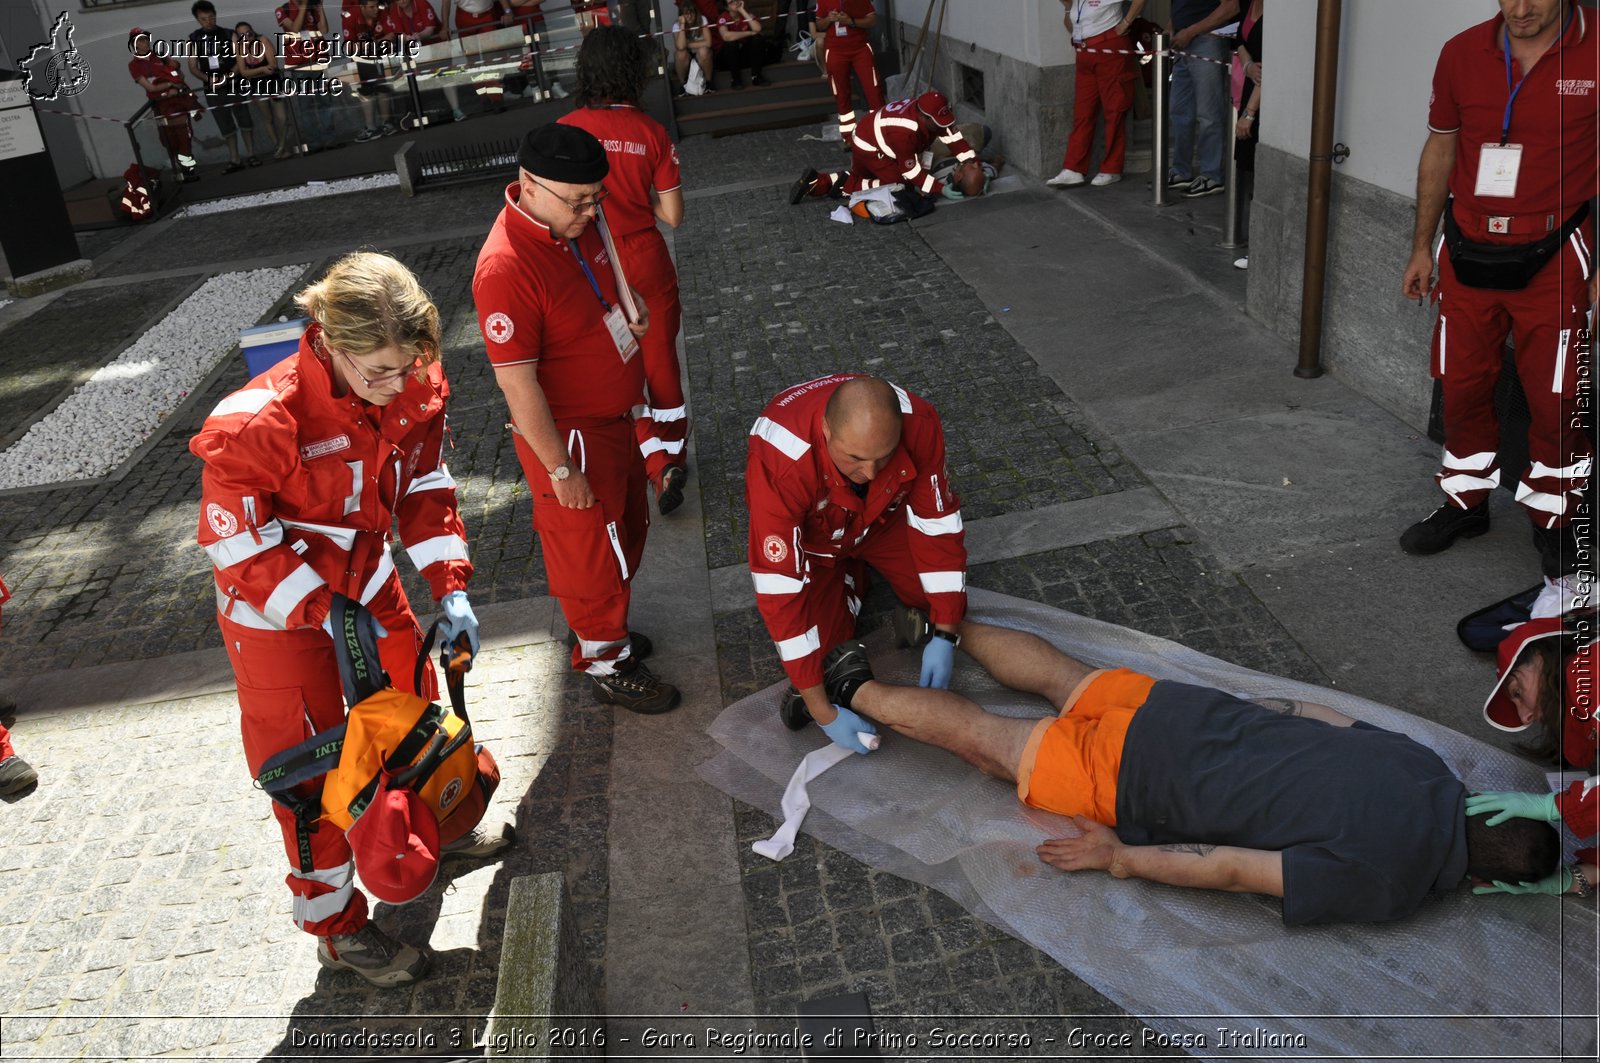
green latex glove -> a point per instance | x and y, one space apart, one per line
1541 807
952 192
1553 885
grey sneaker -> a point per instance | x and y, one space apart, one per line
1203 186
481 842
374 955
16 775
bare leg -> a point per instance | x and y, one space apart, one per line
993 744
1023 662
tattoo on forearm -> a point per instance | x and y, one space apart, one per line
1283 705
1197 848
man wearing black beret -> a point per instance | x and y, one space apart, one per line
564 345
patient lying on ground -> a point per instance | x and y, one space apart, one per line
1191 786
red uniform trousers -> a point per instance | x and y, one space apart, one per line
836 592
868 169
289 689
661 435
174 126
6 752
840 63
1103 83
590 555
1553 360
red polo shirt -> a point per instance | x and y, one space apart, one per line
842 36
421 19
642 157
1554 118
536 306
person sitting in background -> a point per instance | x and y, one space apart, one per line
261 82
591 13
171 100
305 28
1190 786
692 35
472 18
741 44
368 40
409 21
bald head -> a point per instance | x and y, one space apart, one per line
862 426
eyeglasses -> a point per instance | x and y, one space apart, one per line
579 206
383 378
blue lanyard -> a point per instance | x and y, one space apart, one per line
1505 123
573 246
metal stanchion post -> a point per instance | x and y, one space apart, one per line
1230 230
1158 118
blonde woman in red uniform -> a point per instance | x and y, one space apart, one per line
643 187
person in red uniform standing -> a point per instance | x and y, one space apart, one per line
1510 164
1103 80
843 27
565 354
888 148
1547 677
306 470
844 472
644 187
170 98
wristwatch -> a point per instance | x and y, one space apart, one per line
952 639
562 471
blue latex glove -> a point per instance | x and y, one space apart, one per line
952 192
1552 885
846 730
938 662
1541 807
457 619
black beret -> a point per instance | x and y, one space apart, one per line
564 153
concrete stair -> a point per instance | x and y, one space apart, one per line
798 95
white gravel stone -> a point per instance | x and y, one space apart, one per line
312 190
117 408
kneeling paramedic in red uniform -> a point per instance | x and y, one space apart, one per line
845 472
887 149
306 470
565 352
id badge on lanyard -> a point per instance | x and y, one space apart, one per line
1499 164
616 321
841 30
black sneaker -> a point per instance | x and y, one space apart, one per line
374 955
792 710
802 188
844 669
635 688
16 775
911 627
1443 526
1174 181
1202 186
760 80
670 495
738 81
639 644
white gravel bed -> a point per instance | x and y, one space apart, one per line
311 190
117 408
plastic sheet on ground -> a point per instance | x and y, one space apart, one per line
1466 977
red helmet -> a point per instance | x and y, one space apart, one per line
933 104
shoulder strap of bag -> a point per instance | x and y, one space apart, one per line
355 646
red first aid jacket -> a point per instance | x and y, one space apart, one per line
895 132
302 488
803 513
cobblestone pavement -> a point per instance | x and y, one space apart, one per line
712 161
767 305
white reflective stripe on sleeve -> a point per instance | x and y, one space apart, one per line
294 589
1589 784
773 583
1539 500
652 446
248 401
1578 470
345 537
1470 463
379 577
243 546
358 472
243 614
437 480
967 156
1562 342
949 524
950 137
1583 253
927 184
326 905
791 445
900 393
797 647
943 582
439 548
616 548
675 413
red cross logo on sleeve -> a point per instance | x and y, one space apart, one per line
498 327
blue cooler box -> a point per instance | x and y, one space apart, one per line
264 346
